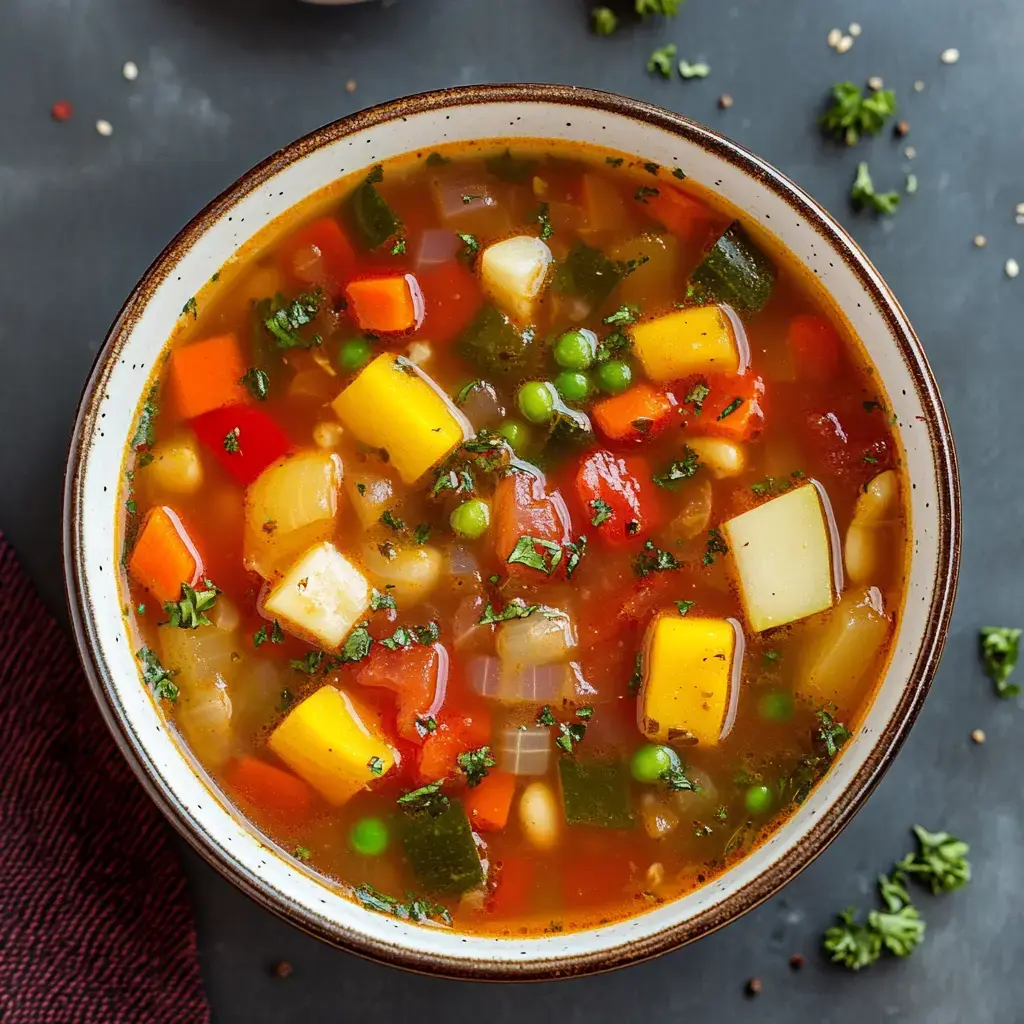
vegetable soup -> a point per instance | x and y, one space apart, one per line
515 536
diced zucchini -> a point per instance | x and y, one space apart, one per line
394 406
687 689
326 742
497 348
703 339
784 557
587 273
372 220
735 271
321 596
441 850
595 793
516 169
513 272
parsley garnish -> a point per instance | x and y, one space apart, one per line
730 408
624 316
257 383
427 798
470 197
274 634
191 307
613 161
570 734
644 192
999 650
941 862
358 644
602 512
862 193
474 765
715 546
382 602
425 726
675 779
696 70
653 559
547 559
831 732
515 609
771 657
422 533
652 168
470 243
301 853
853 114
696 396
638 673
189 612
308 665
435 159
574 555
684 606
605 21
145 433
546 717
388 518
417 909
661 62
398 249
284 319
682 469
376 765
546 230
231 445
156 676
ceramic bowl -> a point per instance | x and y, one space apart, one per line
138 335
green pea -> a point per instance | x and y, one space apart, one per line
537 401
471 518
758 799
775 706
614 376
515 433
355 354
368 837
651 761
575 350
572 385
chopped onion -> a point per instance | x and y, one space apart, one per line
484 676
462 561
535 640
537 684
467 632
482 406
206 722
205 658
524 751
436 246
454 189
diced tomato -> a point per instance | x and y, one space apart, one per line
617 496
815 345
243 439
639 414
318 255
451 298
734 407
524 508
438 756
418 676
851 446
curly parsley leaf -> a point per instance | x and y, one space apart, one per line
1000 648
862 193
605 20
275 634
427 798
832 733
155 676
189 612
941 861
547 559
602 512
653 559
257 383
852 114
681 469
474 764
715 546
284 320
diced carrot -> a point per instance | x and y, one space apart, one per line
206 375
815 346
488 803
164 556
524 508
734 408
277 791
255 440
318 254
438 757
386 304
681 214
515 883
451 298
640 413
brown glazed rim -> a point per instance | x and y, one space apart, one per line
888 743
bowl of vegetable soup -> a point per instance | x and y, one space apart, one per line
510 531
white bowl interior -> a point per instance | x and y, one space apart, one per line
302 894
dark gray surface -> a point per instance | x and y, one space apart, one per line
224 82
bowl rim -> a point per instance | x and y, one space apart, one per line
889 740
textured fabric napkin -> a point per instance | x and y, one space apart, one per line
95 924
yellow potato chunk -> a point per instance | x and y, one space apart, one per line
688 690
321 596
326 742
392 405
706 339
782 553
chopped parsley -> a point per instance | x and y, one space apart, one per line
376 175
660 60
190 611
853 114
653 559
696 70
427 798
772 656
515 609
422 533
644 192
470 197
283 320
257 383
275 634
398 249
681 469
308 665
638 673
679 173
145 433
388 518
684 606
301 853
231 445
570 735
358 644
543 218
862 193
382 602
574 552
425 726
602 512
714 546
1000 647
675 779
613 161
941 861
730 408
155 676
475 764
832 733
623 316
605 21
546 717
191 307
416 909
696 396
470 245
652 168
376 765
435 159
546 560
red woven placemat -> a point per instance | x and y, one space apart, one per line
95 924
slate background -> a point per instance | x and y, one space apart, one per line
225 82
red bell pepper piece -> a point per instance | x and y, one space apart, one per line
733 408
617 496
417 675
451 298
243 439
318 255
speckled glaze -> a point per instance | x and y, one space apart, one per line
566 115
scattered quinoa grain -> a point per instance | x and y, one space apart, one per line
919 86
980 241
1012 268
61 110
754 987
909 152
350 85
797 960
950 56
130 70
725 101
844 44
105 128
282 969
834 36
854 29
875 83
978 736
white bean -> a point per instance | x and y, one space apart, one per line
869 531
538 816
328 434
411 573
721 457
176 466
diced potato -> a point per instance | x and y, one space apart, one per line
783 555
329 744
370 494
513 273
845 649
321 597
392 405
706 339
410 574
722 458
289 507
539 816
689 686
870 533
176 466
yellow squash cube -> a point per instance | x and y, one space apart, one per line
783 553
689 683
394 406
706 339
326 742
